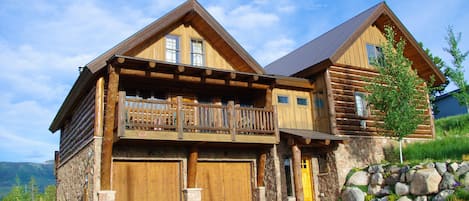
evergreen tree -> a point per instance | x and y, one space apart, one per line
456 73
397 91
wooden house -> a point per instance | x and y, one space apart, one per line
180 111
338 63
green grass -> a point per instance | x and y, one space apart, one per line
451 126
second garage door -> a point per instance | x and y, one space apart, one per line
224 181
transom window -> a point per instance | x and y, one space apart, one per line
197 52
360 104
172 48
282 99
301 101
375 54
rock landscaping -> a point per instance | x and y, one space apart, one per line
423 182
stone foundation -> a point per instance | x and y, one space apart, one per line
75 177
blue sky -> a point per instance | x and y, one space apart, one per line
43 42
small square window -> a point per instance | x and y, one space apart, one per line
301 101
282 99
375 54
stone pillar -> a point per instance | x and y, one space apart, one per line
192 194
106 195
260 193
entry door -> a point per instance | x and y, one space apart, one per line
146 181
306 177
224 181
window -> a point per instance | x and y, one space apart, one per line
360 104
301 101
172 48
288 176
322 164
282 99
375 54
197 53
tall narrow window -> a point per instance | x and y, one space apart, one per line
172 48
375 54
197 53
360 104
288 176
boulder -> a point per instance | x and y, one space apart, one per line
441 196
452 167
375 169
360 178
463 169
401 189
447 181
429 165
376 179
425 181
374 189
392 179
353 194
441 168
466 181
409 175
385 191
394 169
421 198
404 198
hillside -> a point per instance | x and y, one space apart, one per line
43 173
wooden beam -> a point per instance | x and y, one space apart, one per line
151 64
232 76
192 167
180 69
268 97
330 101
296 165
208 72
99 108
109 119
179 117
261 168
120 60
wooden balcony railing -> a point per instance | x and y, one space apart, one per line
159 119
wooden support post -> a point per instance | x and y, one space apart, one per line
261 168
275 119
232 119
106 155
296 164
330 103
99 108
121 114
192 167
179 118
268 97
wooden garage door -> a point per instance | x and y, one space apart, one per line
146 181
224 181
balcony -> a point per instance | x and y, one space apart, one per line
181 121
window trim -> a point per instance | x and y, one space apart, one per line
291 182
177 50
192 51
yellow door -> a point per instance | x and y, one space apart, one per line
306 178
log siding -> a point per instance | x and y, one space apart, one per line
79 129
345 81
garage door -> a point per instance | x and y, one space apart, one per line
146 181
224 181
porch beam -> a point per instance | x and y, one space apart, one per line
109 119
192 167
261 168
296 164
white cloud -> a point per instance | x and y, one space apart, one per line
276 49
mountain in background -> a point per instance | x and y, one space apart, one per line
43 173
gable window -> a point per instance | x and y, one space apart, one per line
282 99
375 54
360 104
172 48
301 101
197 53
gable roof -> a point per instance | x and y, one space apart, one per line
328 47
189 11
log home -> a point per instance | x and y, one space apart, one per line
338 63
180 111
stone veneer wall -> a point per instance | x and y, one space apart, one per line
361 152
270 177
75 176
329 189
